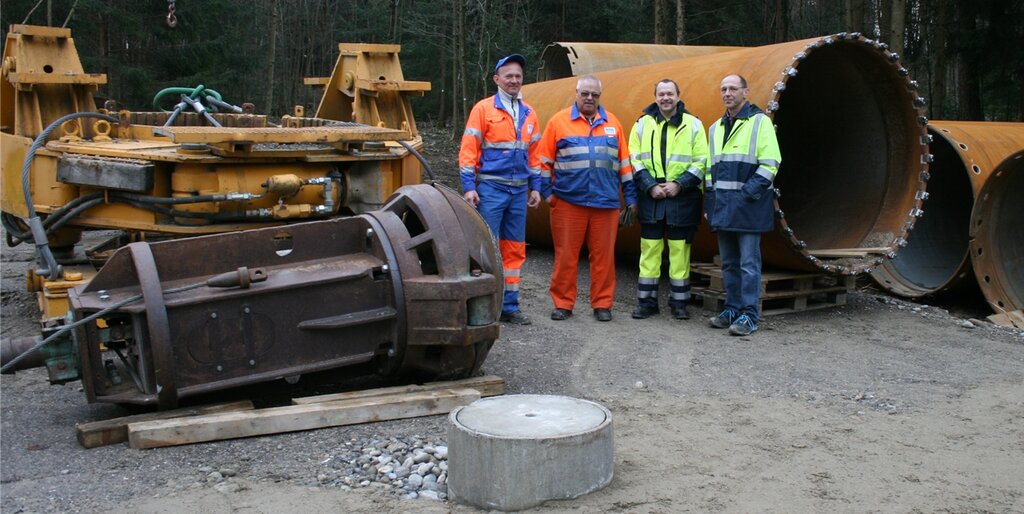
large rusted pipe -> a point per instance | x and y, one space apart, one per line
936 257
851 130
570 59
997 249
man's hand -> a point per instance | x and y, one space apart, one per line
550 200
534 199
671 189
657 192
472 198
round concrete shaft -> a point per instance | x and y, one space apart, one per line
517 451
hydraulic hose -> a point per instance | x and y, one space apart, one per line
53 337
407 146
52 270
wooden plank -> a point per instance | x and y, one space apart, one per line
230 425
1013 319
111 431
849 252
487 385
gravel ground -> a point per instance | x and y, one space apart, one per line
881 405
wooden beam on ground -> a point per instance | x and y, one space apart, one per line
292 418
488 385
1012 319
111 431
849 252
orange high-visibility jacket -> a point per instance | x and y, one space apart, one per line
492 149
586 164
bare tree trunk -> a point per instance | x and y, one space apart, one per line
897 28
967 83
781 20
659 22
855 15
443 80
680 22
937 44
884 17
275 15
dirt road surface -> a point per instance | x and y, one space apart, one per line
880 405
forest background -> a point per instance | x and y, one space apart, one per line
968 56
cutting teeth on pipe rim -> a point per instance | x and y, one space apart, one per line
903 72
800 56
920 101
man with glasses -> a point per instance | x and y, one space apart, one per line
500 172
585 162
738 197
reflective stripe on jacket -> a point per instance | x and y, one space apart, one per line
586 164
492 148
669 150
737 189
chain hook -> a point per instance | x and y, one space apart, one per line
172 18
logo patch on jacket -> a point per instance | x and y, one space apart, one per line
609 131
529 128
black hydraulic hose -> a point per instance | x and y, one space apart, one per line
220 197
407 146
419 156
15 236
52 270
52 337
56 215
212 216
73 213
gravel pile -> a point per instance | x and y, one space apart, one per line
412 467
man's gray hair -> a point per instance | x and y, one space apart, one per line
589 78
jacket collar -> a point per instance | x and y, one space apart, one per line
499 105
601 115
747 111
655 112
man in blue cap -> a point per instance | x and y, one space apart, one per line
500 172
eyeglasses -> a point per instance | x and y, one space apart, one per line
589 94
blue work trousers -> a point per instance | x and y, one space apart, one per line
503 208
741 271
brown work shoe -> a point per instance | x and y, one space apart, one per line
602 314
515 318
561 314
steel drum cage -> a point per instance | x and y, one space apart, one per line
414 288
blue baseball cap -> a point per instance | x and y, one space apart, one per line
510 58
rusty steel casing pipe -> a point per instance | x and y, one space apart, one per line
936 259
997 248
413 290
850 127
571 59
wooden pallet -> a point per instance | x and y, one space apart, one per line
782 292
